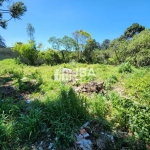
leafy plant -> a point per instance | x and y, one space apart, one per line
125 67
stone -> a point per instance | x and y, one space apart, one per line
28 101
40 148
50 146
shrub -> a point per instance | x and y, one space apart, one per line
27 51
125 67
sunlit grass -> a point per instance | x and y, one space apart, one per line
55 106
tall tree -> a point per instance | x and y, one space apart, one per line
89 48
134 29
105 44
16 10
81 37
68 43
55 42
30 31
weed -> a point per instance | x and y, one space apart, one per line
125 67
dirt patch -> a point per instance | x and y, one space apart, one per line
7 90
91 87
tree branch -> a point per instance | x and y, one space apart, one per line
3 10
9 19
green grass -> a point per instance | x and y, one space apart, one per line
58 111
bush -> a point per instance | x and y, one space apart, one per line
27 52
125 67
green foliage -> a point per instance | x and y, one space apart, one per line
101 56
110 81
49 57
105 44
134 29
98 106
55 42
119 50
81 37
16 10
138 49
132 115
125 67
68 43
67 110
30 125
57 110
27 51
70 111
18 60
89 48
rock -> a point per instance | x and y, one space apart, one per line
28 101
85 125
48 135
41 143
40 148
83 143
123 134
50 146
56 138
82 140
34 147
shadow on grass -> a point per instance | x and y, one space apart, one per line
17 89
22 124
53 120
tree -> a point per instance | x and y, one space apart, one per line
139 49
68 43
55 42
2 42
89 48
134 29
30 31
50 57
105 44
40 46
119 48
27 51
16 10
81 37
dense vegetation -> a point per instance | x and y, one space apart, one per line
133 47
58 111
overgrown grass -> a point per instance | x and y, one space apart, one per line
58 111
59 117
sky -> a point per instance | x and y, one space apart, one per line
103 19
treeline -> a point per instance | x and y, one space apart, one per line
133 47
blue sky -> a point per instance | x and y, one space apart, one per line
101 18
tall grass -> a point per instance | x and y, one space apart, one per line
60 117
61 112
